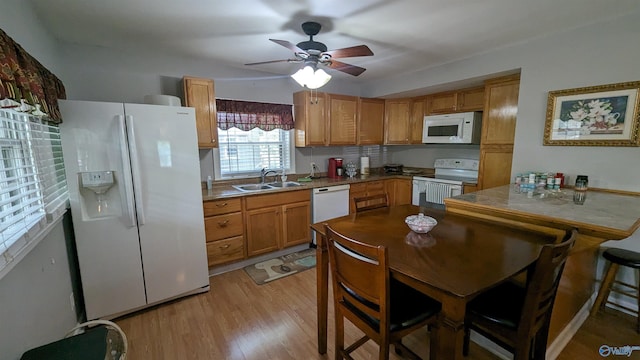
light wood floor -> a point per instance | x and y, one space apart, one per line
238 319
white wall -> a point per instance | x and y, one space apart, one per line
34 296
36 308
99 74
599 54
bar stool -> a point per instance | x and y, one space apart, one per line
617 257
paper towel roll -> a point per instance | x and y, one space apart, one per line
364 165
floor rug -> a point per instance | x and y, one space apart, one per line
277 268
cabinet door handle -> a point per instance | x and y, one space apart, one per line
221 204
224 247
223 223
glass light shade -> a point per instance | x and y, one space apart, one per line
310 78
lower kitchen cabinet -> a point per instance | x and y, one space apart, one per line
224 231
276 221
399 191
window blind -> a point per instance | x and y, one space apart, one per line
32 183
245 153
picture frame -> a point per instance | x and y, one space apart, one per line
603 115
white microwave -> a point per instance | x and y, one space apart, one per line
459 128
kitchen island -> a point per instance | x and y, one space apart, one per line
604 215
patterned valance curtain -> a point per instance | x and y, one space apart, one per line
247 115
25 84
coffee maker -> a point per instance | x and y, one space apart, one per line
335 169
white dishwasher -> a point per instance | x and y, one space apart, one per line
329 202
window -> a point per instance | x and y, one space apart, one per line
33 188
245 153
253 136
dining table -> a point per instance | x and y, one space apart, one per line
460 258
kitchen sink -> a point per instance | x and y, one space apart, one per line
285 184
253 187
269 186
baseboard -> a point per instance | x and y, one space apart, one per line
558 344
254 260
490 346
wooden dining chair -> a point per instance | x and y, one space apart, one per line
517 317
384 309
371 202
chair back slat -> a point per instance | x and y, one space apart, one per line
371 202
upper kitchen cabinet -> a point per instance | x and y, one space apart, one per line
501 108
470 99
416 120
442 103
498 131
310 118
464 100
342 119
397 121
199 94
370 123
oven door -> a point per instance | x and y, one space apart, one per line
430 192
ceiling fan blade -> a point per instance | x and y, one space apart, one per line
346 68
273 61
289 45
360 50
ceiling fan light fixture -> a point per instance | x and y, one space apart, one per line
311 77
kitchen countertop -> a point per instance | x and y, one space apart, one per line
615 214
225 189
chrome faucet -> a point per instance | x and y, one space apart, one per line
263 174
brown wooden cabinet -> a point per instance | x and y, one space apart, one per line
341 119
224 231
370 123
310 118
417 119
200 94
469 188
397 121
276 221
471 99
441 103
399 191
498 131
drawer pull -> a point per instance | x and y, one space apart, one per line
221 204
223 223
225 247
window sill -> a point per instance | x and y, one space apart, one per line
32 244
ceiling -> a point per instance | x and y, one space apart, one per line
404 35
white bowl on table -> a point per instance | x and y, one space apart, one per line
420 223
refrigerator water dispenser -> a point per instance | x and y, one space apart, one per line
99 182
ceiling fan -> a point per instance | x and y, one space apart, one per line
315 53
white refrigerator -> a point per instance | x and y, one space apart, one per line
133 175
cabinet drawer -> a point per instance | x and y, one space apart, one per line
217 207
222 251
261 201
223 226
374 187
358 187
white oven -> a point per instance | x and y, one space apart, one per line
448 181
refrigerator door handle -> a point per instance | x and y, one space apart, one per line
135 170
126 166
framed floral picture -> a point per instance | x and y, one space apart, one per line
604 115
